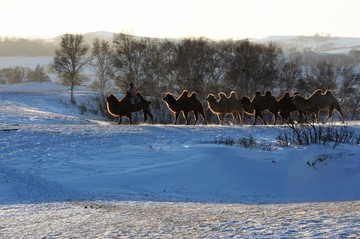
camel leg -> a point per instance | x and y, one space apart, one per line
129 116
255 117
151 117
260 115
277 115
340 112
176 117
331 110
203 115
119 121
275 118
242 117
262 118
316 117
186 115
234 115
301 116
284 116
196 117
145 115
221 118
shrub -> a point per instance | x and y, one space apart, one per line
311 134
246 142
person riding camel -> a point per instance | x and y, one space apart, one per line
134 99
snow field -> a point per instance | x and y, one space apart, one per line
64 174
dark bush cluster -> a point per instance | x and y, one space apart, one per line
312 134
297 135
245 142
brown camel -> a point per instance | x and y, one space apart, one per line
286 107
264 102
125 108
318 101
225 105
185 103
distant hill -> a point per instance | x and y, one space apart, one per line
89 37
26 47
321 44
316 43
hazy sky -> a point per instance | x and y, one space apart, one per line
220 19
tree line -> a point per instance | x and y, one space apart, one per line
19 74
157 66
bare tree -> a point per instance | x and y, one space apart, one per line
290 72
349 92
252 66
129 59
190 61
102 64
38 74
216 66
13 75
69 60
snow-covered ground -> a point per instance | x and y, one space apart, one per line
66 173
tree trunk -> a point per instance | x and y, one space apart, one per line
72 100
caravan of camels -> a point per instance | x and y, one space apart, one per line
237 107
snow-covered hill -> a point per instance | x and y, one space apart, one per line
71 162
317 44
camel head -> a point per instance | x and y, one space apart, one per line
222 96
185 93
169 97
193 95
246 104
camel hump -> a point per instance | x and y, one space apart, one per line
222 95
193 95
233 95
318 92
185 92
257 94
329 93
183 95
268 93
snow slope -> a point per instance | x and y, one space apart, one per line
67 161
